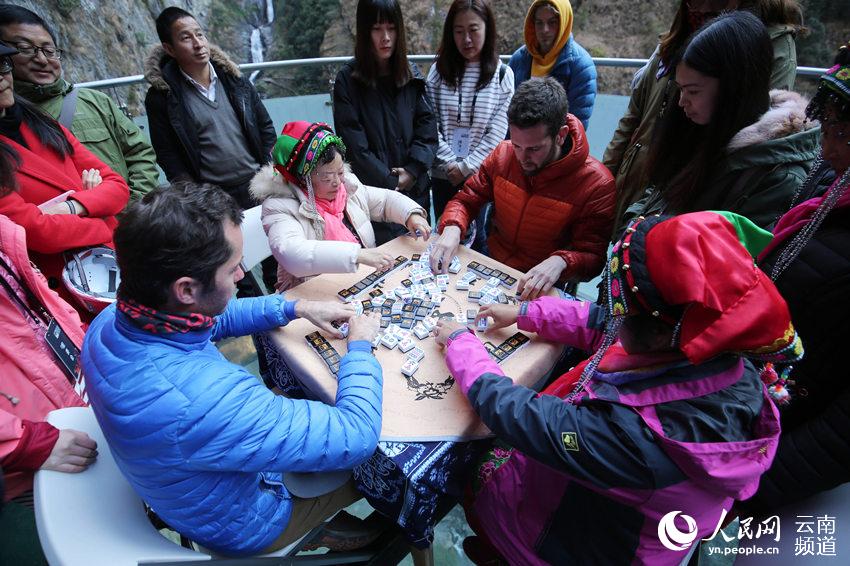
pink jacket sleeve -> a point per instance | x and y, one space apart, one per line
564 321
468 360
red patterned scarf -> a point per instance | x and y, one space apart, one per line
158 322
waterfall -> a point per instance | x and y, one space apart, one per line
269 11
256 51
257 36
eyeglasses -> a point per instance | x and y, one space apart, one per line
328 178
29 50
6 65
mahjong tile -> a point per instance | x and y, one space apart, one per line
421 332
416 354
409 367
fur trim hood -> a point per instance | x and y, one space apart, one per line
787 116
268 183
158 57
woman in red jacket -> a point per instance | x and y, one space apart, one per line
50 163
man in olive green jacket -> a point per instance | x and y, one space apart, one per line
94 118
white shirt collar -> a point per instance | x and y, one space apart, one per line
208 93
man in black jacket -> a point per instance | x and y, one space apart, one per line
207 122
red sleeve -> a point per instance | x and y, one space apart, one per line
107 199
33 448
54 233
476 192
590 234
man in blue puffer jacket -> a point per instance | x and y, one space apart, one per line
200 439
551 50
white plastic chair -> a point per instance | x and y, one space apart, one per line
94 518
255 243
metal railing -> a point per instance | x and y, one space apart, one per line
319 61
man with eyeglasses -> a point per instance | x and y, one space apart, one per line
90 115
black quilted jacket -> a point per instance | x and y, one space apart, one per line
814 450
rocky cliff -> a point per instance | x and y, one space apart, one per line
110 38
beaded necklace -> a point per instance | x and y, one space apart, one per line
612 329
791 250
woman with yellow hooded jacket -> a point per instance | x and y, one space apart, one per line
551 50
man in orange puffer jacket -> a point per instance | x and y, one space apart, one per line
553 204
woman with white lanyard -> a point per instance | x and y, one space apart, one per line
470 90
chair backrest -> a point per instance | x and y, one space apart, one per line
255 246
95 518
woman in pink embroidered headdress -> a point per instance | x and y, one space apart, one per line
317 214
638 452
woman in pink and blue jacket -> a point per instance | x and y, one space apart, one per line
638 452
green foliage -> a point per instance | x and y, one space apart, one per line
301 27
65 7
815 49
304 24
597 51
224 15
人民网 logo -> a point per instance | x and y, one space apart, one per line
670 535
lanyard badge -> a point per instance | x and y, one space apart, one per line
66 352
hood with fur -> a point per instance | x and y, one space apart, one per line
269 183
158 57
787 116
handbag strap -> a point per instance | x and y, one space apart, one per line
69 108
